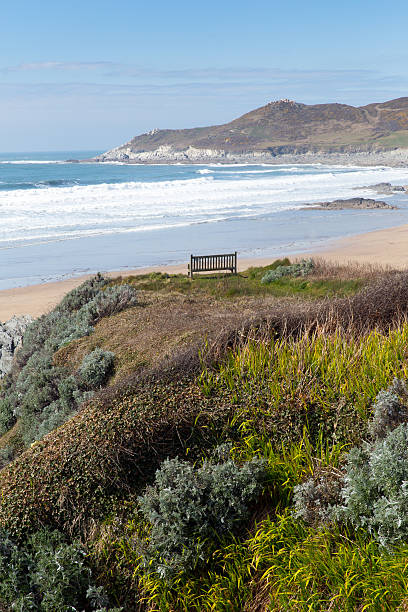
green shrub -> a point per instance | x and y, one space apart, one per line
7 416
189 507
303 268
111 447
376 487
96 367
43 395
46 573
389 409
315 498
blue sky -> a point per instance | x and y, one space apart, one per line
92 74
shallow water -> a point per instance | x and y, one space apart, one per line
63 219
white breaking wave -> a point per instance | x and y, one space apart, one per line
32 161
57 213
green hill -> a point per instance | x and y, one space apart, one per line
281 127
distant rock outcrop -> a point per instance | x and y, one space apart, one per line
352 203
283 131
387 188
11 334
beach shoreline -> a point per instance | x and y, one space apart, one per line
385 247
38 299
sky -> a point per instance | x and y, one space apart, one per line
91 74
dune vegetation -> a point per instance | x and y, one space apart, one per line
227 443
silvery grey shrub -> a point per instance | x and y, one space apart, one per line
389 409
303 268
42 394
359 495
46 573
96 367
375 495
315 499
188 507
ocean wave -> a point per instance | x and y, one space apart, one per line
58 236
18 162
15 186
80 210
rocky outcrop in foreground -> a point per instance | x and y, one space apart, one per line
352 203
11 335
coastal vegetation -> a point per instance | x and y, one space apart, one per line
216 444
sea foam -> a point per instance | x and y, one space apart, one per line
57 211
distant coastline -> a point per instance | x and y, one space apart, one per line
282 132
396 158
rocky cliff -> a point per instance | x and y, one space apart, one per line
282 131
11 334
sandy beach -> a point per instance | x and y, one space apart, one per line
388 247
36 300
382 247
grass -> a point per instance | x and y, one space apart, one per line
115 548
277 564
284 565
397 139
166 323
318 380
324 282
287 379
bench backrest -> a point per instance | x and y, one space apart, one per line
213 263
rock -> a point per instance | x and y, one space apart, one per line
11 335
353 203
380 188
385 188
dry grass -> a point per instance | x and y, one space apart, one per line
174 326
325 269
167 323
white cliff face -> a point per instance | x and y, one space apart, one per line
167 154
11 335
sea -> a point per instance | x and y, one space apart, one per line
61 219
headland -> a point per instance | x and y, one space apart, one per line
282 132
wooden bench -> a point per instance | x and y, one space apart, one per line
213 263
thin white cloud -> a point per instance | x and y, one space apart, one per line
115 69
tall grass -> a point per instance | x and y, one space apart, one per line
314 371
281 564
228 580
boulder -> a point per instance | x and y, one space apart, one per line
11 335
